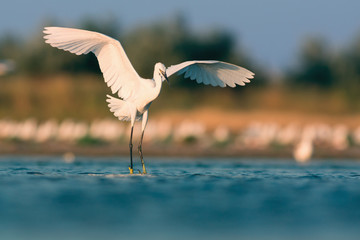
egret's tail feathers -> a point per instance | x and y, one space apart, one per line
119 108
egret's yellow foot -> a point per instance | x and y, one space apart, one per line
144 170
131 170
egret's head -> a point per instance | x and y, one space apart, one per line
160 70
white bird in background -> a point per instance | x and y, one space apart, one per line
136 93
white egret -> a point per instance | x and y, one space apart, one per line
136 93
303 150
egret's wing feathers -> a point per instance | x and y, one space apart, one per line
118 72
215 73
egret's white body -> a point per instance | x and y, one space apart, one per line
136 93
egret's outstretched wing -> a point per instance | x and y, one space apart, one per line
118 72
215 73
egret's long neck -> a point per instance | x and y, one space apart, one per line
158 83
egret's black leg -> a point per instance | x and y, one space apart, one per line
141 153
143 126
130 147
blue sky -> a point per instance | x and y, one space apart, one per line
270 31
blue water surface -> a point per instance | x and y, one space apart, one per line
199 198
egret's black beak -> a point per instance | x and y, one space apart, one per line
165 76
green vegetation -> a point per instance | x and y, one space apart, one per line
89 140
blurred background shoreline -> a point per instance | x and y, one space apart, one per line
190 134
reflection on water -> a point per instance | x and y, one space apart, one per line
91 198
